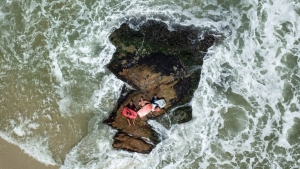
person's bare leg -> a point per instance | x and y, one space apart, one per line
128 122
133 122
151 113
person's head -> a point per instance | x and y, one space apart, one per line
142 98
155 96
131 101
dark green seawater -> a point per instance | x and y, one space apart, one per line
55 90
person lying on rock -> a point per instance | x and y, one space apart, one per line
143 102
129 111
131 106
154 98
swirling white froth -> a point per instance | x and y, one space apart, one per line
252 66
245 111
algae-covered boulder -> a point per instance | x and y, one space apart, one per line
155 60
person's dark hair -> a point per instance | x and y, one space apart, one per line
141 98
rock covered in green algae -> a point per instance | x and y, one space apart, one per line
155 60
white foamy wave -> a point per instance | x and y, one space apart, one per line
64 105
255 85
159 129
23 126
108 93
95 150
2 15
35 147
18 131
244 111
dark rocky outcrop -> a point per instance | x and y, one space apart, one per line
155 60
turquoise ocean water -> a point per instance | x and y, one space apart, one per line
55 90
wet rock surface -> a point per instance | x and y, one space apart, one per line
154 60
